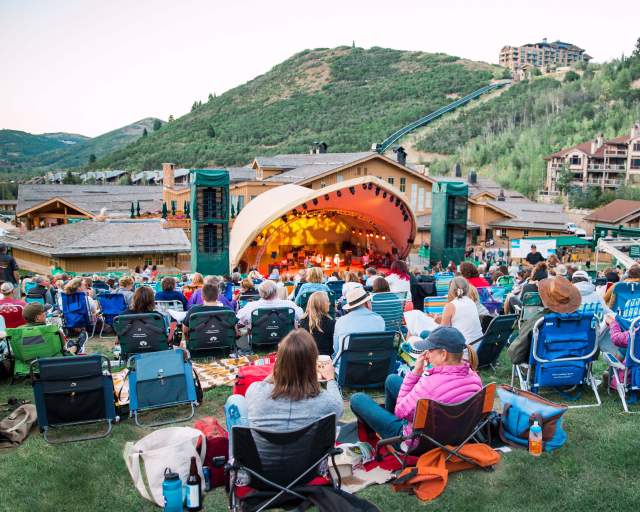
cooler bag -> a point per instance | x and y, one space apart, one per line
247 375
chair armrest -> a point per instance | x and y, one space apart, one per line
476 341
612 361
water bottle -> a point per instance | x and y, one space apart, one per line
535 439
172 491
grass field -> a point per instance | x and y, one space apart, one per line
597 469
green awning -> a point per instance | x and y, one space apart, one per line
210 177
565 241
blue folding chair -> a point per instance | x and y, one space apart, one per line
627 386
391 308
111 305
435 305
34 300
562 352
493 305
159 380
624 292
335 287
76 313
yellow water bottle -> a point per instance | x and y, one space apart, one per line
535 439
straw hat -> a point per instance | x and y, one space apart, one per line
559 295
356 297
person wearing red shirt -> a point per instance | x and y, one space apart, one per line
470 273
10 308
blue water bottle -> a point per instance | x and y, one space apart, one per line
172 491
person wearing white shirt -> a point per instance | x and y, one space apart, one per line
398 278
268 291
372 275
351 283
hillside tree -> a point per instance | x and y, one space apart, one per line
157 124
171 119
211 132
71 179
92 158
571 76
210 97
144 132
564 179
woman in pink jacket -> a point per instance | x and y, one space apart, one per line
449 380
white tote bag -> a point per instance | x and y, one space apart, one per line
170 447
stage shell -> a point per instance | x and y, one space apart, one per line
366 199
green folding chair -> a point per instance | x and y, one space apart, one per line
28 343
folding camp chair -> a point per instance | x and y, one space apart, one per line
12 314
270 325
364 360
624 292
73 391
211 330
390 308
435 305
303 298
34 300
335 287
244 299
28 343
76 313
111 305
498 292
493 305
163 306
159 380
279 461
101 287
442 284
628 387
142 332
562 352
446 426
506 282
531 306
494 340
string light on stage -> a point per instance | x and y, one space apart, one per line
304 205
377 191
384 195
339 193
315 202
370 186
326 197
352 190
364 186
391 198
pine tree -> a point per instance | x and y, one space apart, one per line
157 124
92 158
210 96
194 106
144 132
173 208
133 210
164 210
138 209
636 50
171 118
211 133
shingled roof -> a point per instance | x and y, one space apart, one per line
302 160
528 214
116 199
93 238
614 212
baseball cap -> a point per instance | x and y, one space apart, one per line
447 338
6 287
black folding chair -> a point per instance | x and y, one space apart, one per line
277 462
495 338
438 425
141 332
211 331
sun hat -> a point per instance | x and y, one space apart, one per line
447 338
561 270
356 297
580 274
559 295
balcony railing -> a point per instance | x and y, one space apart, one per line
605 167
615 152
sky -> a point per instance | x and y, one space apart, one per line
91 66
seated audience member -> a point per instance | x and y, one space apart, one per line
210 302
372 275
380 285
10 308
255 275
461 311
449 380
314 283
196 298
618 337
35 314
359 318
247 288
86 286
558 296
6 294
268 291
42 290
530 286
475 297
398 278
351 282
318 323
154 273
587 289
470 273
126 288
633 276
143 301
196 282
333 277
169 292
291 397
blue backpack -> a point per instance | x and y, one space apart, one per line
521 409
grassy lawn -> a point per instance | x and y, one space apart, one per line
597 469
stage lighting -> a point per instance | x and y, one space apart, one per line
397 202
339 193
377 191
315 202
384 237
369 186
391 198
304 205
294 211
360 233
284 218
405 218
384 195
377 236
326 197
352 190
364 186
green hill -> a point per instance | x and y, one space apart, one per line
21 151
507 136
347 97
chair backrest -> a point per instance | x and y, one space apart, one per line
29 285
112 304
632 358
34 300
630 311
487 299
72 390
531 305
282 457
390 308
451 424
367 359
303 299
569 336
159 379
12 314
244 299
28 343
506 281
163 305
75 310
498 292
270 325
141 332
442 285
625 292
495 339
100 285
435 305
336 287
212 330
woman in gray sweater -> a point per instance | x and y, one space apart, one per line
291 397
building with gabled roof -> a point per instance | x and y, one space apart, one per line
620 212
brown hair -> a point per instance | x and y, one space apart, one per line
247 283
315 275
379 285
73 286
294 374
143 300
351 277
125 281
317 307
633 272
210 292
468 270
197 279
168 284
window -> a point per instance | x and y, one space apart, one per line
240 204
575 160
391 180
403 184
148 260
359 170
364 171
251 198
339 178
428 200
548 233
414 195
635 163
636 146
322 184
525 233
159 260
421 199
